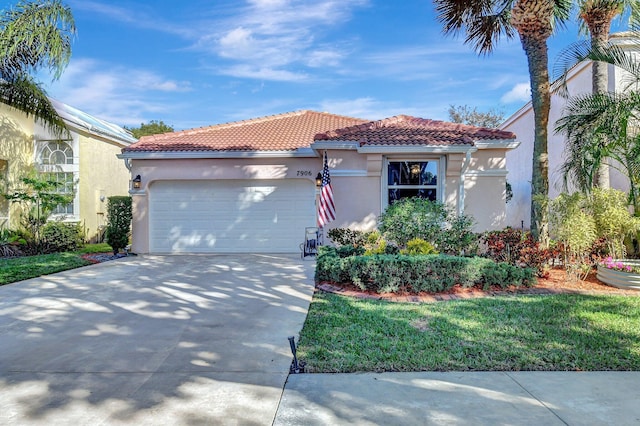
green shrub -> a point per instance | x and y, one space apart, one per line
119 217
585 224
349 250
419 246
11 243
434 222
418 273
375 244
411 218
518 248
58 237
614 222
346 236
329 265
458 237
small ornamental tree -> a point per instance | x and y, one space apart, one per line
119 217
39 194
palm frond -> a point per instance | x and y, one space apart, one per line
27 96
599 127
484 22
568 58
35 34
561 12
623 57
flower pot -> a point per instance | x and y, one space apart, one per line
620 279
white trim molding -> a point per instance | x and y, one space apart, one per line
510 144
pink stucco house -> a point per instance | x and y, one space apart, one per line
249 186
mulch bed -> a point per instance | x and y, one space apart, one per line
556 283
102 257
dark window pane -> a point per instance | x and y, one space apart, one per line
394 174
397 194
413 173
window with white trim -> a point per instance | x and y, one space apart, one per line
56 159
56 154
412 178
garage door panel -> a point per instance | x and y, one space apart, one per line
230 216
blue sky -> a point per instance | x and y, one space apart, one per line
197 63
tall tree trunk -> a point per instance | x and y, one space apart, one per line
599 25
532 20
537 56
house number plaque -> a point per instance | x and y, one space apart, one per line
304 173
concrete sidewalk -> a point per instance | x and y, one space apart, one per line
459 398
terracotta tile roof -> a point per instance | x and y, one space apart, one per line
283 132
406 130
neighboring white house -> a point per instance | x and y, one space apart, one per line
519 161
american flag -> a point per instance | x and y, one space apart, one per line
326 208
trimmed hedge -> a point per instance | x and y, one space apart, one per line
413 274
119 215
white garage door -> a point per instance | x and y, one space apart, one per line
227 216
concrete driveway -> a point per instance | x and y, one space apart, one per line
152 340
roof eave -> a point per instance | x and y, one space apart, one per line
171 155
416 149
95 132
335 144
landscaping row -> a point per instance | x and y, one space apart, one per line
423 246
37 200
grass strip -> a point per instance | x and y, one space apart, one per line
22 268
530 333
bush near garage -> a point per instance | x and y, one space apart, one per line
385 273
119 215
57 237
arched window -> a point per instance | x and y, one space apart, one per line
55 156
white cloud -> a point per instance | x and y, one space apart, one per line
257 35
140 16
277 35
114 93
324 58
521 92
262 73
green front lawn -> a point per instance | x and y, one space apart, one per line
559 332
22 268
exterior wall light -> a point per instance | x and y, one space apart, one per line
319 180
137 182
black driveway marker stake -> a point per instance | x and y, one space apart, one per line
296 367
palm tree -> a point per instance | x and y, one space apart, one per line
597 16
484 23
606 125
34 35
